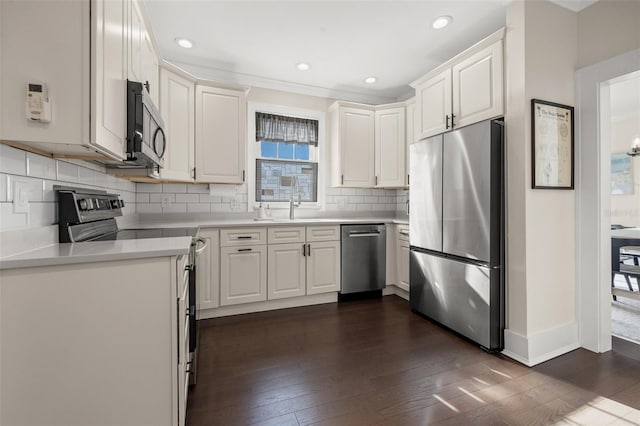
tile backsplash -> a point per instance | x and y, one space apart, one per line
155 198
35 175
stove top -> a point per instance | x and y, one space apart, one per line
137 234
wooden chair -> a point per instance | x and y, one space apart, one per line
619 256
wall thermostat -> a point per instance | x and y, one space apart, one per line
38 105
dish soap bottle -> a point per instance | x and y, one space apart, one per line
262 214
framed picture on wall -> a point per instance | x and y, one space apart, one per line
621 174
552 145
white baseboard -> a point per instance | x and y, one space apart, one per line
395 290
542 346
269 305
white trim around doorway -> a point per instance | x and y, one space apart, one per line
593 240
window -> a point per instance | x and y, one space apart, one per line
287 147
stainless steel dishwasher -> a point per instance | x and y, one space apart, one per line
364 258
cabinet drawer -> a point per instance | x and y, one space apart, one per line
402 232
242 237
285 234
323 233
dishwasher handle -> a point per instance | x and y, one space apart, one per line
364 234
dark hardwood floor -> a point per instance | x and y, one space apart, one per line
374 362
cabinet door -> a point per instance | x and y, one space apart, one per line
323 267
177 109
135 42
390 145
286 271
477 86
433 105
357 147
108 85
208 271
151 69
221 120
410 132
109 75
403 265
243 275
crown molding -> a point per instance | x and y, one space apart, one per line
231 78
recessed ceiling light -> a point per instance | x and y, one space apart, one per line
370 80
302 66
184 42
442 22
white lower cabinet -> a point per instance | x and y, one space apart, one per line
323 267
286 270
117 358
243 274
402 257
208 270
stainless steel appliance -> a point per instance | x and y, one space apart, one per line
146 141
457 231
363 258
89 215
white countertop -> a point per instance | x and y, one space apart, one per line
97 251
222 223
626 233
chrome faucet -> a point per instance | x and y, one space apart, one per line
294 183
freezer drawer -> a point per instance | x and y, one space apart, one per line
363 258
464 297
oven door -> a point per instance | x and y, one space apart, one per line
197 248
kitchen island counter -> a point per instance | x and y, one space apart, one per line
97 251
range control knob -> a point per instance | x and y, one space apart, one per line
83 205
115 204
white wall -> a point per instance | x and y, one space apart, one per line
541 57
625 209
606 29
37 175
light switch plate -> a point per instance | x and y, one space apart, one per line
21 197
166 201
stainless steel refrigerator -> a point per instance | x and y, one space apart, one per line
457 231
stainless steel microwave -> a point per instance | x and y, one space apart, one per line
146 141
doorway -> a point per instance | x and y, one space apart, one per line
620 112
593 197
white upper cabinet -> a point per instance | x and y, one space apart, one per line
353 140
465 90
177 106
477 86
433 99
221 122
108 84
84 67
143 61
410 132
84 52
390 147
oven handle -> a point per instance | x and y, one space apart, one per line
201 249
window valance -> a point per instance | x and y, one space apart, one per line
280 128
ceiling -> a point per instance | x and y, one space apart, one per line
259 43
